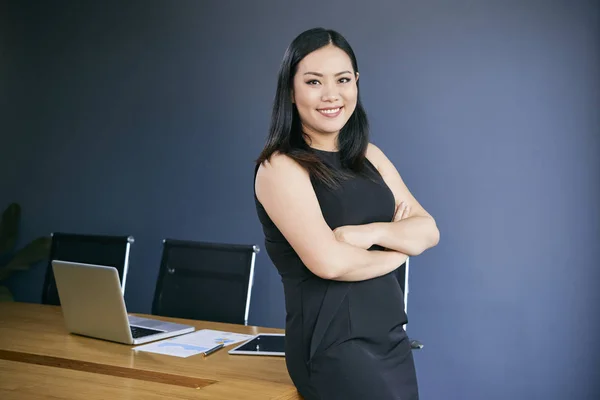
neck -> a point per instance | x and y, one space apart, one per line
323 142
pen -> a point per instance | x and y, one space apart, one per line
209 352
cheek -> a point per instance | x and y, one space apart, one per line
306 102
307 98
351 94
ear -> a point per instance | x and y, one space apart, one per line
292 96
357 74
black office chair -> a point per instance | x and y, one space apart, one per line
402 275
205 281
106 250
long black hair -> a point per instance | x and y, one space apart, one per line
285 133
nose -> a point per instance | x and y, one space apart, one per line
330 93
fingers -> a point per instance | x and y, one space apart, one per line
396 213
406 213
402 212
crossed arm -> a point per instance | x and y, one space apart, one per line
285 191
413 229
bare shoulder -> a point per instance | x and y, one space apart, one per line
277 162
276 171
376 156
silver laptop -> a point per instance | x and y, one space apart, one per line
92 305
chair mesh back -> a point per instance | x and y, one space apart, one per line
401 275
110 251
204 281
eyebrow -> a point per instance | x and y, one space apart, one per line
321 75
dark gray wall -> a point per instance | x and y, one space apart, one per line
144 118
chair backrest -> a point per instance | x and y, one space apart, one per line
403 279
205 281
402 276
105 250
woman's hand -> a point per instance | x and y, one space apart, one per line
402 212
365 236
362 236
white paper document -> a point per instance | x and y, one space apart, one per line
193 343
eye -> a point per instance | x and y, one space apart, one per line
345 80
313 82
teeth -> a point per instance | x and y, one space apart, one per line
331 111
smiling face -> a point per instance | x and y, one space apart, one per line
325 92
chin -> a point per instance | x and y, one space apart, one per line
333 131
329 127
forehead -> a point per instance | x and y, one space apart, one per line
326 60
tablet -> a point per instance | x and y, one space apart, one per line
263 344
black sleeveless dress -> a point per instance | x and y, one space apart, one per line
344 340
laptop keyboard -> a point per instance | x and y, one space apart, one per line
138 331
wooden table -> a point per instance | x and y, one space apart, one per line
39 359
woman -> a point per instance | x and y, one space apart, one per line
338 221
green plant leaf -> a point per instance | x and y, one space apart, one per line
9 228
36 251
5 294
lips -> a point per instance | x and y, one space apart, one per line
331 112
